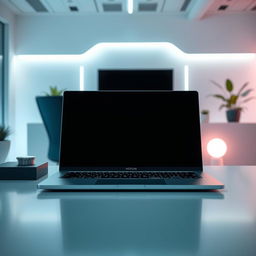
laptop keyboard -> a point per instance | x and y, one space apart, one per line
131 175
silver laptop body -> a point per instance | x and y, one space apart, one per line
130 140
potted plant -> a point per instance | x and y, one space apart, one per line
233 102
205 116
4 144
50 108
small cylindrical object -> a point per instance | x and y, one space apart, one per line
26 160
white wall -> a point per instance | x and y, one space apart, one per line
239 70
75 35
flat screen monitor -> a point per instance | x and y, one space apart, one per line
127 79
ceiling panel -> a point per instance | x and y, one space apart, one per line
176 5
22 6
148 6
37 5
169 7
87 6
54 6
228 6
111 6
70 6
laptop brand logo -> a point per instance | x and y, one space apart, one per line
131 169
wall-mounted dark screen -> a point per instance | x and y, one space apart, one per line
136 79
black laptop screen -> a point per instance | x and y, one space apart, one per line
127 79
130 129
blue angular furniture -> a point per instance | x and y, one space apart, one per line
50 108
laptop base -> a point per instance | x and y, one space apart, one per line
206 182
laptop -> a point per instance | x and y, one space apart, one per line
130 140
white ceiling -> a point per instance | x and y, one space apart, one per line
230 6
189 8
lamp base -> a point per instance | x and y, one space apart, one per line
217 161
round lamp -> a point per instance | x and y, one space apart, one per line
216 148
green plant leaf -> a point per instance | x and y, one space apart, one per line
204 111
247 92
248 99
220 97
229 85
223 106
233 99
218 85
4 132
54 91
242 88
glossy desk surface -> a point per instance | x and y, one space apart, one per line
222 223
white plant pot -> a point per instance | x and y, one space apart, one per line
205 118
4 150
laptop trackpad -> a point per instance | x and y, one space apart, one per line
130 182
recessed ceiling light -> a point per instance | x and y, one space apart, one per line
223 7
73 8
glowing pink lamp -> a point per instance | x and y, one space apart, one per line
217 148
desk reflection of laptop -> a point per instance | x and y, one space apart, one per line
131 223
130 140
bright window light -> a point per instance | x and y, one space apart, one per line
130 6
186 78
216 148
81 78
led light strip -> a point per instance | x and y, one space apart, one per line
168 47
186 78
130 6
96 49
143 45
81 78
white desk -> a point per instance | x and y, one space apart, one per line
35 223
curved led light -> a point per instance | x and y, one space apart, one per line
98 48
133 45
216 148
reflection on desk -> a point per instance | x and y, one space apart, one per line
117 223
131 223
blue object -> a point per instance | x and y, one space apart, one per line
50 108
233 115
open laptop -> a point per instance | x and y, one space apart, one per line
130 140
